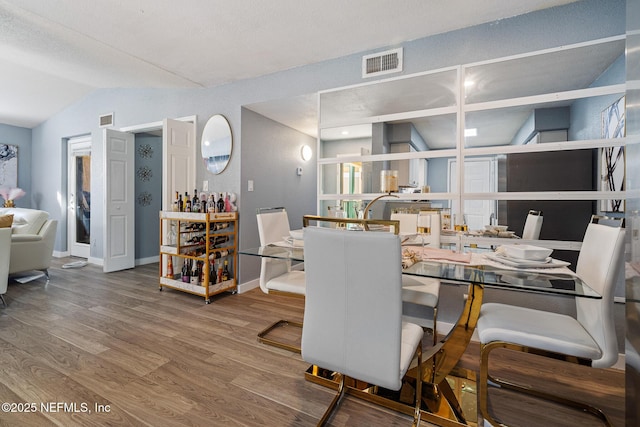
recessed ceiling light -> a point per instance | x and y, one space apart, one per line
345 132
470 132
469 83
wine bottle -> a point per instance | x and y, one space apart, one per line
185 271
225 271
193 279
195 202
212 273
180 203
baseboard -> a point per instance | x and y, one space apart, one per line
247 286
444 328
148 260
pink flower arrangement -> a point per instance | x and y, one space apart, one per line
11 193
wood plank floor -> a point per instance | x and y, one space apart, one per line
116 351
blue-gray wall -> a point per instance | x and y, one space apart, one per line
270 157
148 195
575 22
21 137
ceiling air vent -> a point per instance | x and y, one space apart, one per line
379 63
106 120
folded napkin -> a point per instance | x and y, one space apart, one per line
443 254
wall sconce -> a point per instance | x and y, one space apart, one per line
306 152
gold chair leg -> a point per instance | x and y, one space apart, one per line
417 412
334 403
485 378
262 336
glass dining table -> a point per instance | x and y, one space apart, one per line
441 400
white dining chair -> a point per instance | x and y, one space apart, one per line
420 294
276 275
353 311
588 339
532 225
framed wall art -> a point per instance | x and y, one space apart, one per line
8 165
612 161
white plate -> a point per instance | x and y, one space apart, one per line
528 252
553 263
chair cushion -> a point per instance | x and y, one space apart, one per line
293 282
6 221
535 328
411 336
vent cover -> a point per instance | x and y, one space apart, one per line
379 63
106 120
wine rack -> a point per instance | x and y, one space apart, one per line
207 244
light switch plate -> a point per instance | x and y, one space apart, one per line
205 185
299 171
250 185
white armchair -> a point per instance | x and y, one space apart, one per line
32 240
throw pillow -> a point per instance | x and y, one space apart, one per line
6 221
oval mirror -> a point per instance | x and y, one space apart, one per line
217 143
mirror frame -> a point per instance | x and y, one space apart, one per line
216 138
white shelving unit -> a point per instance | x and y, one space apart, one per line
432 110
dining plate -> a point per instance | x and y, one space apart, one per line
523 263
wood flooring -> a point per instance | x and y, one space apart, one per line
95 349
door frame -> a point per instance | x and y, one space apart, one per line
75 145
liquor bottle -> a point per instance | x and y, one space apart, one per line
180 203
170 267
220 203
211 204
225 271
185 200
185 271
188 205
193 279
219 273
227 203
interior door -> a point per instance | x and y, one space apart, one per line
79 196
119 221
479 177
178 159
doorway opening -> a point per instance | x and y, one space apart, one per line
79 196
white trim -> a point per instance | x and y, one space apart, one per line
148 260
247 286
145 127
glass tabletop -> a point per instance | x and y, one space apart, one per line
515 279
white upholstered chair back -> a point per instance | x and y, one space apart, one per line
353 307
273 226
599 264
532 226
408 222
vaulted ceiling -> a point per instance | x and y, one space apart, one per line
55 52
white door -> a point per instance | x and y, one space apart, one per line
79 196
178 159
479 177
119 238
